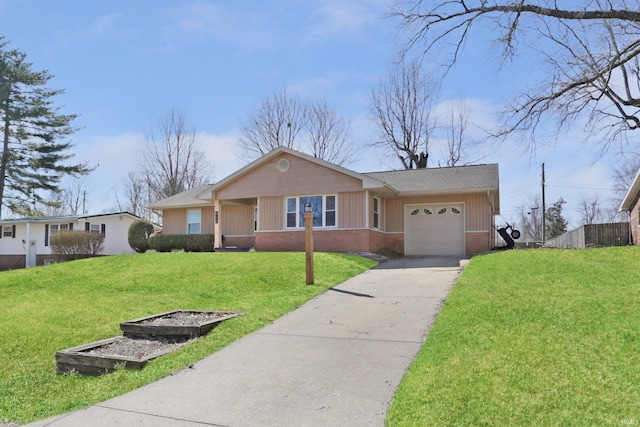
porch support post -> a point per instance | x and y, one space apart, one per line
217 224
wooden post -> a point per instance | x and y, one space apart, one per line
308 245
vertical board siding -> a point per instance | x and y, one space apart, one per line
302 177
206 219
174 221
476 210
271 213
351 209
237 220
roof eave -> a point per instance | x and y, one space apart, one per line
367 181
448 191
634 188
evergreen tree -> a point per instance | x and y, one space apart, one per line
555 222
34 135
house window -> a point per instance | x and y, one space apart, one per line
193 222
94 228
376 213
323 207
7 231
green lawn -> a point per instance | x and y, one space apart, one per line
51 308
538 337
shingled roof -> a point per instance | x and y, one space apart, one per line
441 180
430 181
188 198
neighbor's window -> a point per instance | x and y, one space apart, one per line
55 228
94 228
323 207
7 231
193 220
376 213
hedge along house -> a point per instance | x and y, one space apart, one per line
437 211
16 232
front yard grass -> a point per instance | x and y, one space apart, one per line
537 337
51 308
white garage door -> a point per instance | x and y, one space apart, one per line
434 229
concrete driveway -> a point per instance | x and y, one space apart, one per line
335 361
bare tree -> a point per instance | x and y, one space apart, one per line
69 200
458 143
328 134
623 174
74 197
277 121
590 54
591 210
401 107
169 160
310 126
531 218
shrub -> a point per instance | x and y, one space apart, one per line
185 242
72 245
138 235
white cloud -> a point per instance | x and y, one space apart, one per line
221 152
103 26
202 21
339 18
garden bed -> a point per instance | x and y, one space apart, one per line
104 356
143 339
177 324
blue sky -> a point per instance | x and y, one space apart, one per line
124 64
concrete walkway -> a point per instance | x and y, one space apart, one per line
335 361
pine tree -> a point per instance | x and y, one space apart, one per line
555 222
34 135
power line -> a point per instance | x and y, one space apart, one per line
579 188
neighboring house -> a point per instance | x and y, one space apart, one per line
631 205
436 211
15 233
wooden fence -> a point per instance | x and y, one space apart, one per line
593 235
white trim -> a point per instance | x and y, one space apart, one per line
374 212
366 209
290 230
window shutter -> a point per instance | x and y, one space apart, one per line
13 231
103 229
87 226
46 234
70 226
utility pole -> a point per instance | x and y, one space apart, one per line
544 208
84 201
